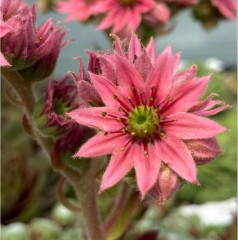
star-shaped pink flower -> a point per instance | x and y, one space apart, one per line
150 112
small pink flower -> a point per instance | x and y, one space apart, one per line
32 43
61 97
183 2
124 14
167 183
80 9
227 8
150 112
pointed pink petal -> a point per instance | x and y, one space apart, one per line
120 164
226 7
176 62
135 19
88 93
3 61
108 91
161 76
106 22
190 126
121 19
186 95
93 117
4 28
151 50
143 65
134 50
185 75
146 166
174 152
108 70
128 76
99 145
209 107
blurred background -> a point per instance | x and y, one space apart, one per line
29 206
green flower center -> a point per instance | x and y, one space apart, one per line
143 121
127 2
60 107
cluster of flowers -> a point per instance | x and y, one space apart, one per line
124 16
149 115
34 51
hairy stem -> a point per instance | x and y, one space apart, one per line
84 184
85 189
117 207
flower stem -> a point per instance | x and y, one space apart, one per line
85 189
117 207
84 184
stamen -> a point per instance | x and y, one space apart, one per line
115 96
132 104
118 119
141 98
106 133
122 149
104 114
133 89
145 153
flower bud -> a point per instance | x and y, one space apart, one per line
67 145
34 46
50 111
167 183
204 150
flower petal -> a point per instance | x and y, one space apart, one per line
186 95
128 76
100 144
161 76
134 47
111 95
93 117
151 50
147 165
190 126
174 152
120 164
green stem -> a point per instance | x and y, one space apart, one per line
117 207
85 189
84 184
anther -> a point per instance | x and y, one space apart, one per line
115 96
106 133
122 149
133 133
153 88
170 99
163 135
133 89
118 119
145 153
104 114
151 99
123 130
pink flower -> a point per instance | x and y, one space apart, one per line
149 113
227 8
124 14
32 43
50 113
81 9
